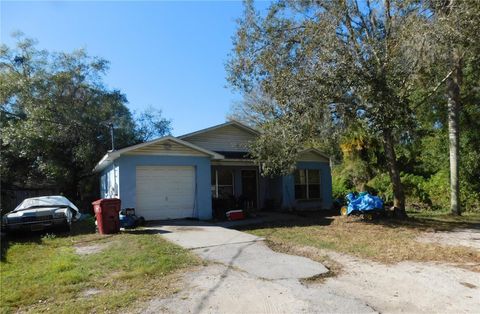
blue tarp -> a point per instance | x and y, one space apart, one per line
363 203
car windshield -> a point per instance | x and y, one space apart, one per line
43 206
45 202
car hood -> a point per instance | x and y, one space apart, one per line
43 211
44 205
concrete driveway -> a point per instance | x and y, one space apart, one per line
245 277
239 249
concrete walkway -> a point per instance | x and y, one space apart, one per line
239 249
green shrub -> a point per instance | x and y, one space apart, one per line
341 183
412 184
434 192
414 187
469 198
431 193
381 186
437 188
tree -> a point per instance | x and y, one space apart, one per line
151 124
456 43
55 112
256 108
346 60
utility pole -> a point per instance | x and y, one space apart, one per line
111 135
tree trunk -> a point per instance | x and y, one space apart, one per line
453 98
398 193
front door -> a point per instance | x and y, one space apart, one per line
249 188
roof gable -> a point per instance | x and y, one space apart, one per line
235 123
167 145
313 154
231 136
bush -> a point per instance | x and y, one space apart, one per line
431 193
382 187
341 184
415 193
469 198
413 185
438 191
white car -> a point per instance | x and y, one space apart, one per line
41 213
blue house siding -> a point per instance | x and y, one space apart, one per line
288 184
109 181
203 198
200 150
104 183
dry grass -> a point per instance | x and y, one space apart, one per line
386 241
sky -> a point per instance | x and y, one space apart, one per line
168 55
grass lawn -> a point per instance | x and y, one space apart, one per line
386 241
46 273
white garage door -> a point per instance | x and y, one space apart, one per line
165 192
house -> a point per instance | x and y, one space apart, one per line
204 172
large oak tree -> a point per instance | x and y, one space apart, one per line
55 117
351 61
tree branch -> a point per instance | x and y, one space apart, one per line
424 99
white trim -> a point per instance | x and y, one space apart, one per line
111 156
231 122
166 138
307 185
232 172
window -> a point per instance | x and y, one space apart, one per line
222 183
307 184
300 184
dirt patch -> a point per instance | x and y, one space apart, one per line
457 237
91 249
468 285
90 292
403 287
409 286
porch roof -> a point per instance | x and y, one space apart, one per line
235 155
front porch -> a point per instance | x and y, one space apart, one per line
239 185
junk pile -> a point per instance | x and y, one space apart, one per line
129 220
362 203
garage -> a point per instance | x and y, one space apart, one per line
165 192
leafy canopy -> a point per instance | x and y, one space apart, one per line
55 117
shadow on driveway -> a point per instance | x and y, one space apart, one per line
145 231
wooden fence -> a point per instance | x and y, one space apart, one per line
10 198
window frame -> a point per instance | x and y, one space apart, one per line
307 185
215 196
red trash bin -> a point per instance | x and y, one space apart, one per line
106 212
